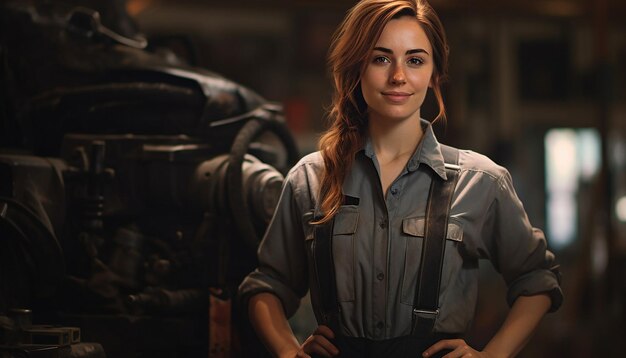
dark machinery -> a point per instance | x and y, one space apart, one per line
133 188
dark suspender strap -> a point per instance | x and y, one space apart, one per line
325 271
426 303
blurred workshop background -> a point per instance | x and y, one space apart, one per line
537 85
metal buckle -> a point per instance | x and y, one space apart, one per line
451 166
425 313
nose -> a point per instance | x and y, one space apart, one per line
397 75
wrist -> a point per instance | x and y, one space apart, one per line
489 353
287 352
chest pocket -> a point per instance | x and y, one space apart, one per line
413 230
344 229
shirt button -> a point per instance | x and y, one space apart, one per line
380 325
380 276
394 191
383 224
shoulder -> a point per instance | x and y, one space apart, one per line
310 164
480 174
304 178
311 159
474 162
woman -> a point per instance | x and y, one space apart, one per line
356 221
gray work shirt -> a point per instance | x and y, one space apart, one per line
377 244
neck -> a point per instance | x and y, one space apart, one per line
392 139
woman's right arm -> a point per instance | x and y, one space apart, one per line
268 319
269 322
273 291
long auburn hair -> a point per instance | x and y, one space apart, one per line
351 46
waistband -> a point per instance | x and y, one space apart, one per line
399 347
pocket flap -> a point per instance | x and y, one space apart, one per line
416 227
455 232
413 226
346 221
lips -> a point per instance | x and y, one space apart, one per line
396 97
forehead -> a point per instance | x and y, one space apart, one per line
404 33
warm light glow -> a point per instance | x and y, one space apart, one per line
561 163
134 7
559 8
588 153
620 209
561 185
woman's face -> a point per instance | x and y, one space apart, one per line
398 72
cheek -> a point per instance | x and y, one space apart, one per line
370 79
368 85
422 80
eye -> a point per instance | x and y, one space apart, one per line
380 59
415 61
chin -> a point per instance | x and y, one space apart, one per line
396 116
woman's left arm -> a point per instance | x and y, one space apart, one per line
519 252
520 323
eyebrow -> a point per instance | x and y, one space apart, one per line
409 52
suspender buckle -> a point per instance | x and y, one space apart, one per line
423 322
425 314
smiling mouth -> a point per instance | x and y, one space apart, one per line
397 97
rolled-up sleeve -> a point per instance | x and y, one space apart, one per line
282 257
519 251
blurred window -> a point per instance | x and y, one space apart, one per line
573 157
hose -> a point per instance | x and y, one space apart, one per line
234 179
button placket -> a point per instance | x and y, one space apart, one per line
379 267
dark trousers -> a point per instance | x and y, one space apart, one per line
401 347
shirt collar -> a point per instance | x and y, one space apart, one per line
428 152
